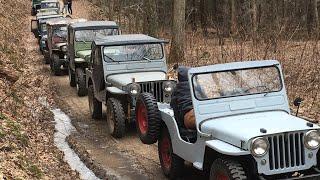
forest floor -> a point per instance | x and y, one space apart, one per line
27 128
27 149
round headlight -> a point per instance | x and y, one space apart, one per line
259 147
64 48
134 89
168 86
312 139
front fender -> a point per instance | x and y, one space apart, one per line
225 148
115 90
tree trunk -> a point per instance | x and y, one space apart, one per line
178 32
233 18
315 17
150 21
204 16
254 21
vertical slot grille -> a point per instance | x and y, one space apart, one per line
286 151
154 88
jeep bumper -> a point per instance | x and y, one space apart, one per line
312 175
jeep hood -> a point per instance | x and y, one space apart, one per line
242 128
83 54
58 45
124 79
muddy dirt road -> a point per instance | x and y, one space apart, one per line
122 158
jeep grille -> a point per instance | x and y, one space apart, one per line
286 151
154 88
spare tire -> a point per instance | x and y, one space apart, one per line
148 118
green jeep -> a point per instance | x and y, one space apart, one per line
80 37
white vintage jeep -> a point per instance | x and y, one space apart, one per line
244 127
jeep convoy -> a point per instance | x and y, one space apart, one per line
244 128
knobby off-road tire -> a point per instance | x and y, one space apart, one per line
171 164
227 169
46 58
148 118
56 66
115 118
81 82
72 78
95 106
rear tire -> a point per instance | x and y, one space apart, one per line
81 82
72 78
115 118
171 164
56 66
148 118
227 169
95 106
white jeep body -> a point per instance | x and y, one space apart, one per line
228 126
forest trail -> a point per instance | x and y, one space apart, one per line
125 158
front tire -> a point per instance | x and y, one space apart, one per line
81 82
56 66
171 164
95 106
115 118
72 78
223 169
148 118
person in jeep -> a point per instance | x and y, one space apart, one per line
181 101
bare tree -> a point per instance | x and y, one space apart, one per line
150 25
178 32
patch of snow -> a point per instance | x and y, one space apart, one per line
63 129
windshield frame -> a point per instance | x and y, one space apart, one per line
128 44
240 95
92 29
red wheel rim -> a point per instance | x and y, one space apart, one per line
142 118
222 176
165 152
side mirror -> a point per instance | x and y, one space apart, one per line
297 102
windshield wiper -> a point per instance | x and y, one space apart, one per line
145 58
110 58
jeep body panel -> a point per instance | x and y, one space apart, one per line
119 80
191 152
239 129
75 47
228 126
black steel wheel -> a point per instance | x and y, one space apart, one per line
95 106
72 77
81 82
115 118
56 66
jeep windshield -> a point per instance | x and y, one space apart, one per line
240 82
49 5
60 34
136 52
90 35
